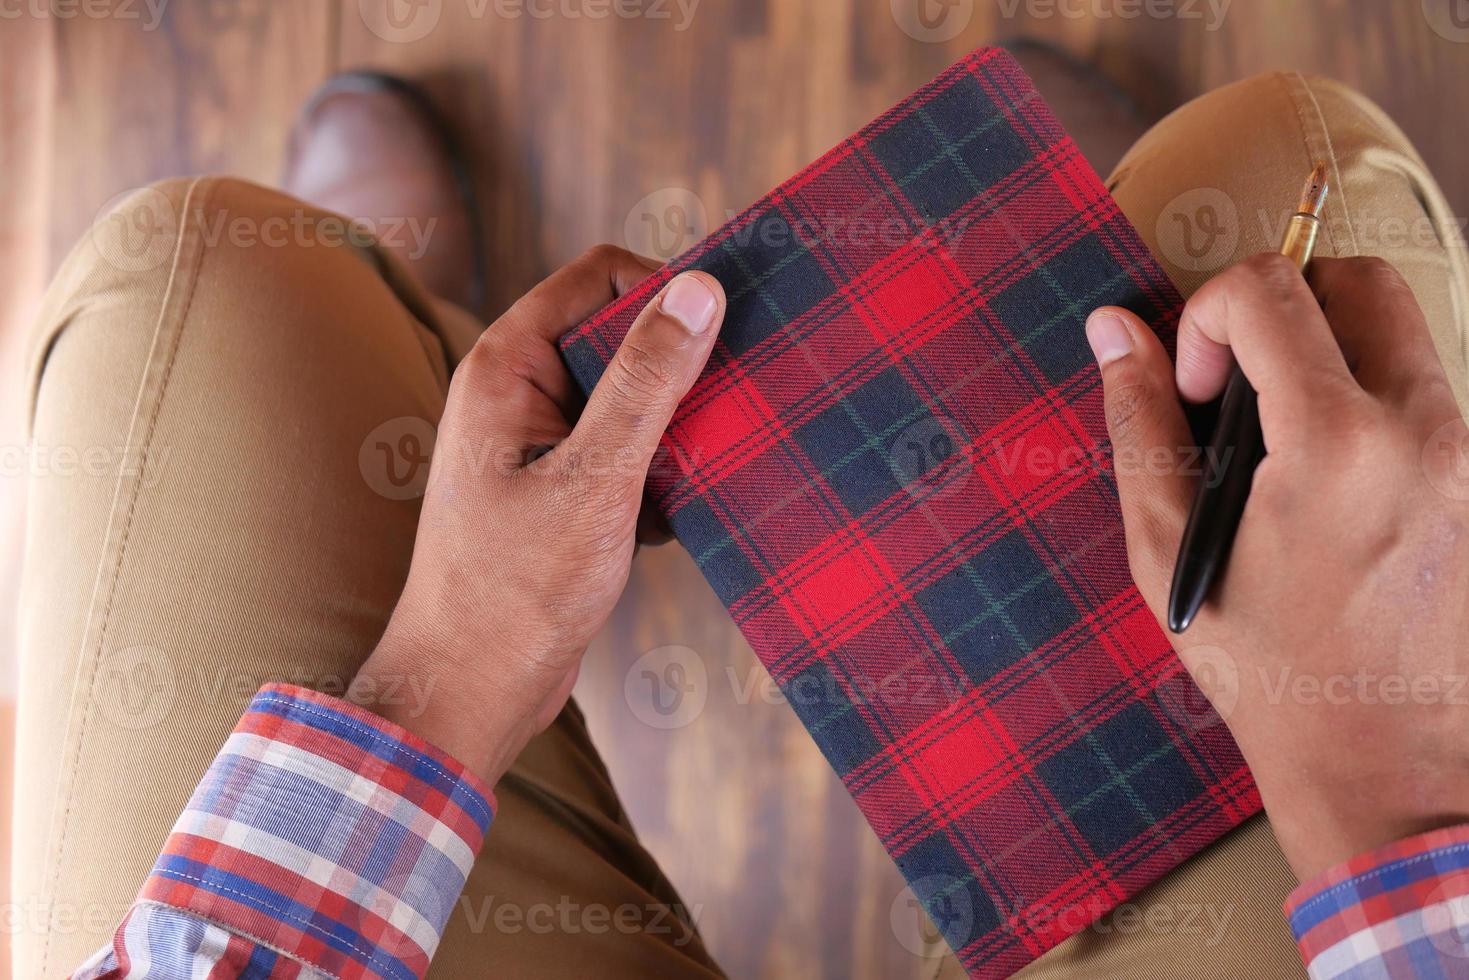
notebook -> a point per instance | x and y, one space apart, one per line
895 475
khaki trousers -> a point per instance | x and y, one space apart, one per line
229 408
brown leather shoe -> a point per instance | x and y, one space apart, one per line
370 146
1101 118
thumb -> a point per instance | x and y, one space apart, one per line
658 362
1152 449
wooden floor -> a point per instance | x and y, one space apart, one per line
574 122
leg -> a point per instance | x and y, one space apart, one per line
1213 183
223 384
1206 187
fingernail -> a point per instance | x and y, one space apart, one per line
1109 337
691 303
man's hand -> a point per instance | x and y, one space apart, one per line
1337 644
530 517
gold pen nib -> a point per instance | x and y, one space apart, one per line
1314 194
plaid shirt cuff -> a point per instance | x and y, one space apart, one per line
321 833
1399 911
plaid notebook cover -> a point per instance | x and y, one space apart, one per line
895 475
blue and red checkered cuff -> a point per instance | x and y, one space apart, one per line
328 834
1399 911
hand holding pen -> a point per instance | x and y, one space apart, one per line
1341 629
1237 447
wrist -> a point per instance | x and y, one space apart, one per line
461 708
1322 829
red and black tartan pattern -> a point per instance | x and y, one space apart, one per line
895 474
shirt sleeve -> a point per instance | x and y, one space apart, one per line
1398 911
322 841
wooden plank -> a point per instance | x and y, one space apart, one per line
212 88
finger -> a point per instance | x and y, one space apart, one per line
1150 444
1381 330
1265 314
526 380
574 292
515 363
1203 366
661 356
